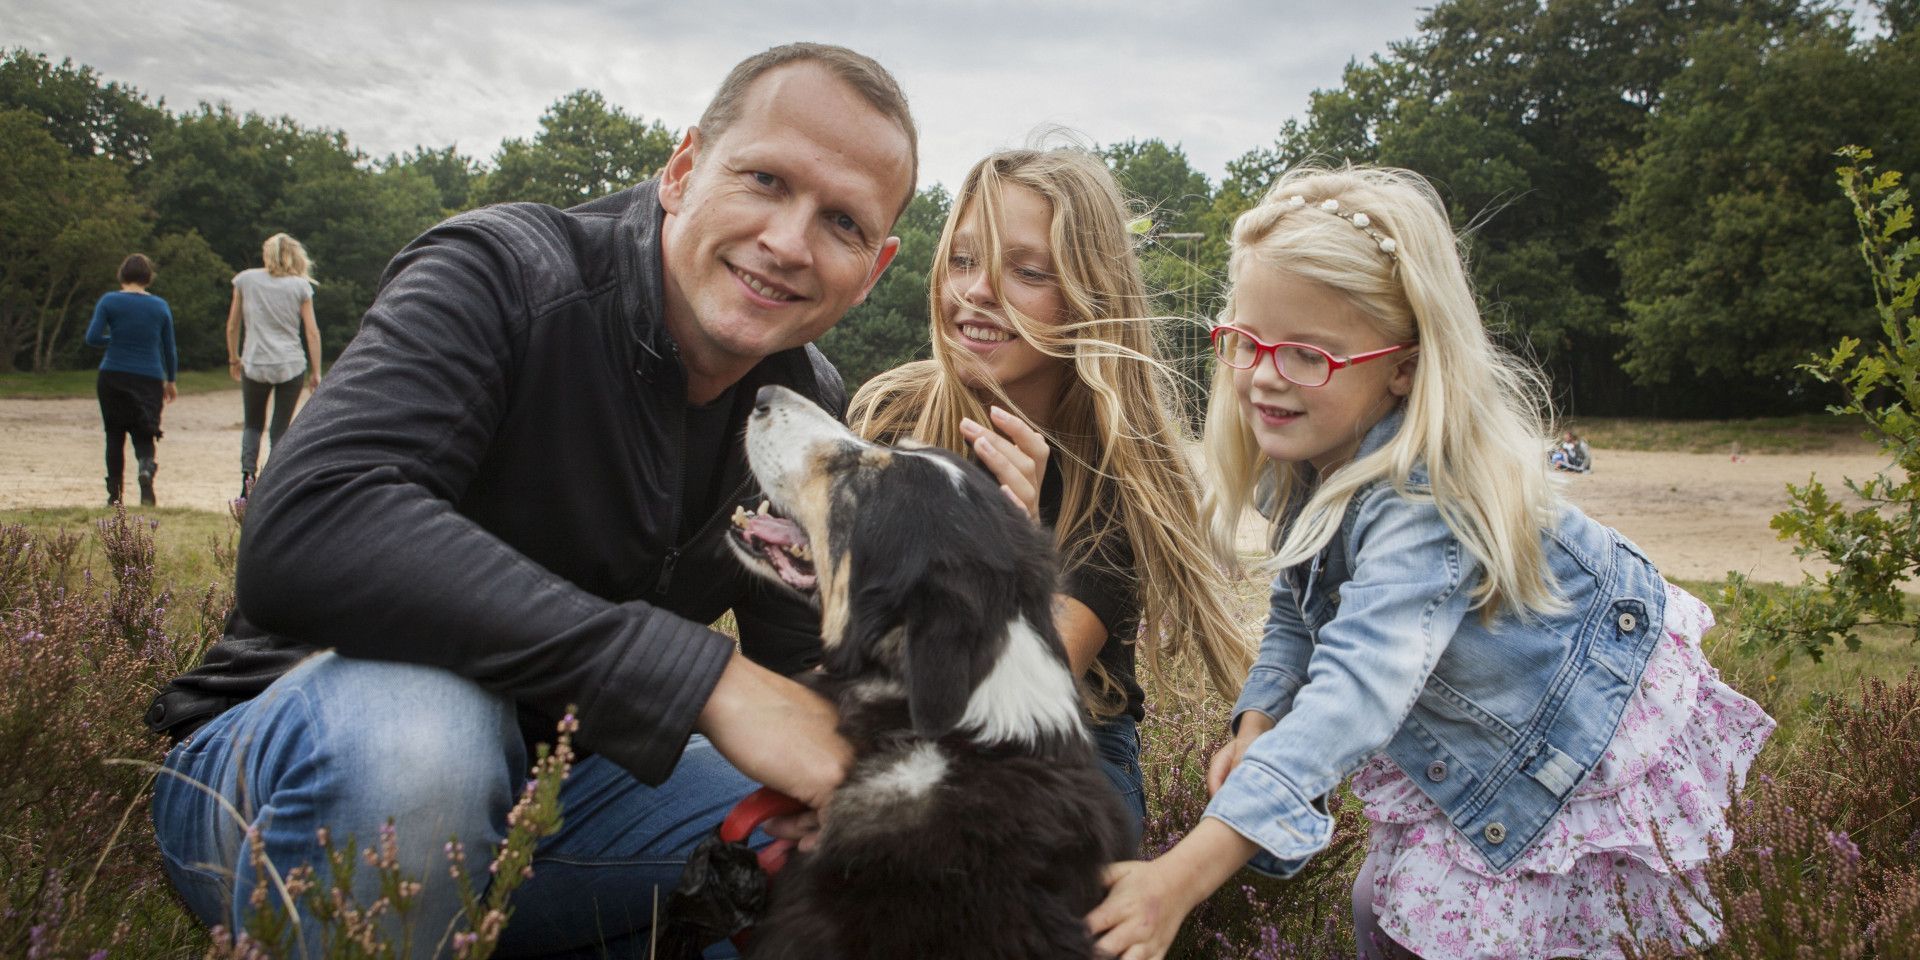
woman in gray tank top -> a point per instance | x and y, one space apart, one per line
273 305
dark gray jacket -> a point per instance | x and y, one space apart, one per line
489 481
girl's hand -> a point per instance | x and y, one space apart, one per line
1016 455
233 370
1146 902
313 381
1143 910
1253 723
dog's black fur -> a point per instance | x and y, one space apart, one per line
1001 856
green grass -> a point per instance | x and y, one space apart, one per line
71 384
1809 433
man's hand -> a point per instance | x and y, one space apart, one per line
1016 456
169 392
778 733
1253 723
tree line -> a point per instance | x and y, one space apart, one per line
1644 187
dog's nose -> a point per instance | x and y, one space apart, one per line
763 400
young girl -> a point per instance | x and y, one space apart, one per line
1038 311
1520 698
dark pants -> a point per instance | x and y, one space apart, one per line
129 407
253 400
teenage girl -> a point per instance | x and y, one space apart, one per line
1044 366
273 306
1519 697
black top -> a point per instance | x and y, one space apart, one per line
1105 582
490 481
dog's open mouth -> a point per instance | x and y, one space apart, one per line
780 541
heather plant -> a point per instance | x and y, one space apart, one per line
1874 550
1822 860
386 927
78 868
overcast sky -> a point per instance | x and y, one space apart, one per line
1218 78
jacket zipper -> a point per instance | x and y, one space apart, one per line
672 558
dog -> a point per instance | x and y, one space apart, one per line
975 821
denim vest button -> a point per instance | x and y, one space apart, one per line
1437 771
1627 623
1496 833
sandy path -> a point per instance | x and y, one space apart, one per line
1697 515
51 453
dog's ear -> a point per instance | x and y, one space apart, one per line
947 652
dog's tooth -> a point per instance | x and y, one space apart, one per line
765 506
739 515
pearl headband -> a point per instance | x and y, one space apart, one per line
1360 222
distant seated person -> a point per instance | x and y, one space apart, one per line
1571 454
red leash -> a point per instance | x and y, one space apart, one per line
760 806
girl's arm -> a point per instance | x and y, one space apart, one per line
312 330
233 337
1397 613
1146 901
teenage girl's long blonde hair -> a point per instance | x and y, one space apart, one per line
1121 456
286 257
1474 417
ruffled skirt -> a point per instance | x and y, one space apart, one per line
1683 735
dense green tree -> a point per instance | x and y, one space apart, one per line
219 174
586 148
81 113
65 223
1734 250
454 174
352 222
890 328
1161 180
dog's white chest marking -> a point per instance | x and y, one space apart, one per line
1029 693
952 470
913 775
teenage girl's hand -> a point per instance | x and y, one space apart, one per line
1253 723
233 370
313 381
1016 455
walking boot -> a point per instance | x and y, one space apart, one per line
147 469
113 491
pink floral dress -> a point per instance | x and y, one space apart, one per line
1668 766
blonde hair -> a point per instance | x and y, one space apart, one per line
285 257
1475 417
1122 459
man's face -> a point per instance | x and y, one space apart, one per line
779 226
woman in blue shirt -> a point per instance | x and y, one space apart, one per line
136 375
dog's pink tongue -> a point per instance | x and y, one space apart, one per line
774 530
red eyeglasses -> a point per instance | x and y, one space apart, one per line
1301 363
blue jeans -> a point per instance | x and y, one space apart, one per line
1117 741
347 744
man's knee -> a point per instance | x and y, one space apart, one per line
405 727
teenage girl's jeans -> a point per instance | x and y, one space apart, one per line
348 744
253 400
1117 741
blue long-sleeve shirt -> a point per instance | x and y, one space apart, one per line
137 330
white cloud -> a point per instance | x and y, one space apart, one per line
1218 78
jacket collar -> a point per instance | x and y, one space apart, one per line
643 296
1378 435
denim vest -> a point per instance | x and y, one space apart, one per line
1372 647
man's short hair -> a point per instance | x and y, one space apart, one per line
856 70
